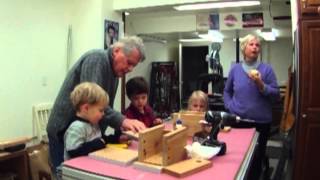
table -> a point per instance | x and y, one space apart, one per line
241 144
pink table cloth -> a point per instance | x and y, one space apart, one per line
224 167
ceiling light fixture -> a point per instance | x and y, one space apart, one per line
215 5
194 40
213 36
268 34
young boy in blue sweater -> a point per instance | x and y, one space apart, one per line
84 135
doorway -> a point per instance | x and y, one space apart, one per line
193 63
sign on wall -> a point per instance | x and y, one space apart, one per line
230 21
202 22
252 20
214 23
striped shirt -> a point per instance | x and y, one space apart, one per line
81 138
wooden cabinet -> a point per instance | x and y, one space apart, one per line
307 147
16 162
310 7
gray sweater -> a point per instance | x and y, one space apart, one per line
93 66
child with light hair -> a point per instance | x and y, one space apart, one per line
198 101
84 135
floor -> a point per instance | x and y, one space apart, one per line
279 158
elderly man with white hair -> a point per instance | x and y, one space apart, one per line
102 67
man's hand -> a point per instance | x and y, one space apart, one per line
133 125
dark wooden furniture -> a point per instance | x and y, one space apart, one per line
309 7
307 147
16 162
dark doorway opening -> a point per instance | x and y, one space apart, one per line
193 64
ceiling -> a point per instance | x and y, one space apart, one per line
276 8
265 4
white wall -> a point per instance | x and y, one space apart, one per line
33 52
279 55
227 55
88 29
162 22
88 24
33 55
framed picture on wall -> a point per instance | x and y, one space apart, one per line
111 33
252 20
214 22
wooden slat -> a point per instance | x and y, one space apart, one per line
115 155
150 142
173 146
190 119
288 118
148 167
14 142
155 159
187 167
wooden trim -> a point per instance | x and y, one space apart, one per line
123 93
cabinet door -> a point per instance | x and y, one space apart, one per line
310 7
307 148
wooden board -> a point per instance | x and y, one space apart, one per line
190 119
155 159
114 155
158 147
150 142
187 167
173 146
14 142
148 167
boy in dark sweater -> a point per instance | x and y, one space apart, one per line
137 92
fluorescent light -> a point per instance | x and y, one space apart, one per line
268 34
215 5
193 40
213 36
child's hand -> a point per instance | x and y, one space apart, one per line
157 121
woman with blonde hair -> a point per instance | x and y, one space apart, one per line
250 89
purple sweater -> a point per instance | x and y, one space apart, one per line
243 98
